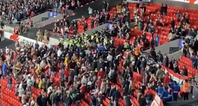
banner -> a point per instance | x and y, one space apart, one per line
14 37
18 38
187 1
30 41
176 77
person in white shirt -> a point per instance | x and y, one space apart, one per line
84 80
171 36
29 83
59 52
109 57
90 11
32 102
20 90
49 89
43 64
123 10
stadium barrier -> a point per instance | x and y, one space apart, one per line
19 38
165 48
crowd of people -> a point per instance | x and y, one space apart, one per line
96 17
12 14
13 11
92 68
20 10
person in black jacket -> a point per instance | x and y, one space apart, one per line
39 101
165 60
165 9
153 54
173 24
128 101
142 100
44 100
185 71
162 9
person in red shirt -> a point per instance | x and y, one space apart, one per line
99 81
30 22
63 10
100 73
66 73
83 88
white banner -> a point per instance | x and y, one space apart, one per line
187 1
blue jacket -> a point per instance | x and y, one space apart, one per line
9 80
157 40
36 46
160 90
4 68
176 88
101 48
171 84
165 94
194 60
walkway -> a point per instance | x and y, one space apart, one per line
97 5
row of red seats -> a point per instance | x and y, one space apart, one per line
162 31
8 97
136 33
184 61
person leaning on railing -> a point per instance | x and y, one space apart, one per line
2 24
46 37
39 35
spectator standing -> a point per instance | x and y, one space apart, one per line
9 81
90 11
160 73
20 91
116 96
39 102
179 16
185 71
173 24
106 5
4 69
162 9
44 100
165 9
166 61
142 100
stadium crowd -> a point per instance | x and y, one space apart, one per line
96 17
20 10
88 69
23 9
